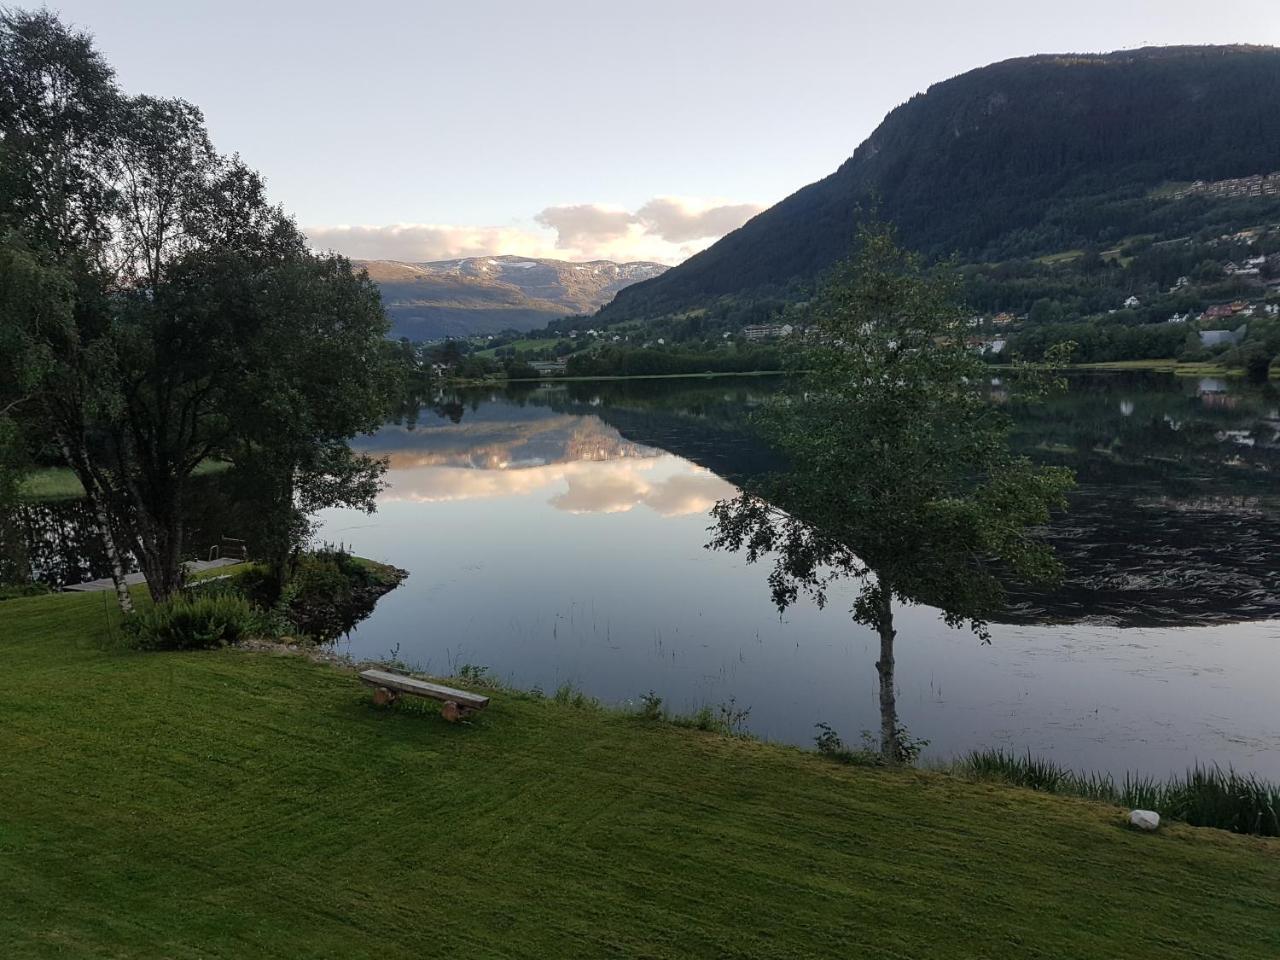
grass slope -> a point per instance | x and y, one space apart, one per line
242 805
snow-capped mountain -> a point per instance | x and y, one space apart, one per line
481 295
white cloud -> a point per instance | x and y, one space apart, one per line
584 487
586 224
665 229
424 241
680 219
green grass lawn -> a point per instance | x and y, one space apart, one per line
1206 368
242 805
530 345
59 483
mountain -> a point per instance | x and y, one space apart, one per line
1020 158
482 295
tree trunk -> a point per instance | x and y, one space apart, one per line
884 667
162 558
79 466
113 554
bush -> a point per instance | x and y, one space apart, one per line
651 707
330 591
831 745
15 591
197 623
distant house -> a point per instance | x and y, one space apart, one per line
1218 338
1003 319
765 331
548 368
1220 311
1132 303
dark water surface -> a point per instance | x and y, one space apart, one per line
556 535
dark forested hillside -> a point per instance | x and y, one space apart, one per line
1020 158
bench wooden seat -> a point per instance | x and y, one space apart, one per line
388 686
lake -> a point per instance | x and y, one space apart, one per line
555 535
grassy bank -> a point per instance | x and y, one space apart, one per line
1203 796
243 805
1202 369
59 483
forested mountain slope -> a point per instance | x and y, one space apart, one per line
1019 158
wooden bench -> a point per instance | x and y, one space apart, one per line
388 686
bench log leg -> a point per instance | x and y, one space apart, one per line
383 697
454 712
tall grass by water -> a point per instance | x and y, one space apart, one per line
1203 796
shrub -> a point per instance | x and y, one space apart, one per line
567 695
703 719
651 707
831 745
197 623
330 591
15 591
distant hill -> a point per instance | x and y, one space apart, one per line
483 295
1019 158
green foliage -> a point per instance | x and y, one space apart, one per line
568 694
328 591
198 623
727 719
832 746
1203 797
633 361
900 473
519 370
651 707
701 719
14 591
1099 343
165 313
900 466
476 676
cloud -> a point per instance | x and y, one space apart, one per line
424 241
586 224
665 229
680 220
611 491
586 487
687 493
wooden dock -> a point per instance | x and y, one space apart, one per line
132 579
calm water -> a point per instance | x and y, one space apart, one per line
556 536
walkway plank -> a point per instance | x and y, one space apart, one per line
133 579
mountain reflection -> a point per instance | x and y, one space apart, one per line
580 487
582 464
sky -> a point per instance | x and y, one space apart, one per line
424 130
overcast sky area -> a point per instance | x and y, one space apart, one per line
420 130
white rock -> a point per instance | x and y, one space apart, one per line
1144 819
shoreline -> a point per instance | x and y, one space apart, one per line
461 382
